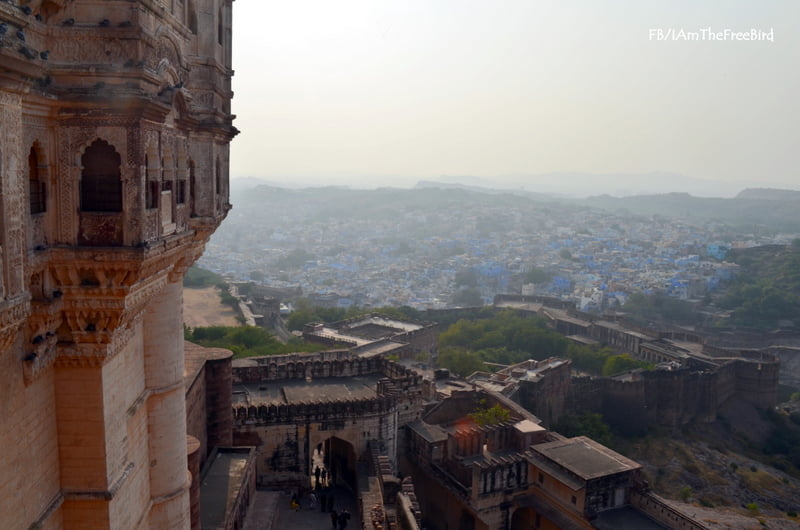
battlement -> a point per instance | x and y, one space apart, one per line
315 366
336 410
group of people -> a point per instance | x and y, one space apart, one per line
324 501
322 495
339 520
321 477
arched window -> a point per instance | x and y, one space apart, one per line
101 185
38 197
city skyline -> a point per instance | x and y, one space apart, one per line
385 94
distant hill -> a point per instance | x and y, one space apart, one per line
759 209
580 185
263 202
427 184
769 194
775 209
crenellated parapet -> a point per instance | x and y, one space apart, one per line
328 411
313 366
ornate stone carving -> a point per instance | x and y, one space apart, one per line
72 141
100 229
137 300
168 50
92 49
38 358
12 318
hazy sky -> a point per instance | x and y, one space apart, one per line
383 92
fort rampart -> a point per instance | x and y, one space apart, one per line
702 376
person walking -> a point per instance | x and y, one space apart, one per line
312 500
343 518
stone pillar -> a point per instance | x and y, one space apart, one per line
166 409
193 453
81 444
219 404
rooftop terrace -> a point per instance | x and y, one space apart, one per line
295 391
585 458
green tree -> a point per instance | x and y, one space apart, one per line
197 277
301 317
590 424
490 416
403 312
468 297
294 259
246 341
621 363
685 493
459 361
642 309
508 338
537 276
466 278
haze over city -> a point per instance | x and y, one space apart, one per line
623 97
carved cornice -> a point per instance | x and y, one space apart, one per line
45 316
85 354
110 106
39 351
70 355
139 296
102 293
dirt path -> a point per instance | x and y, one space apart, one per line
202 307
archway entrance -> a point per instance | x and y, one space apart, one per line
333 463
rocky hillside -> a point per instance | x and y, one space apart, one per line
723 466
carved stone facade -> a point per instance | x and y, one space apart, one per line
113 175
